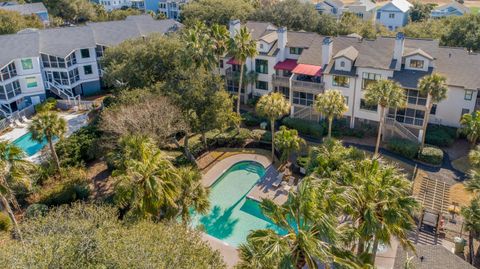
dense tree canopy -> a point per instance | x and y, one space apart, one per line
216 11
464 31
71 11
12 22
88 236
420 11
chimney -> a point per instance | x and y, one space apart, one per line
282 41
398 50
234 27
327 46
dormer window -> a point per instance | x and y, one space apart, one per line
296 51
418 64
261 46
342 64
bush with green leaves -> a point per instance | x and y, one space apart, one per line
341 128
431 154
303 161
403 147
79 148
48 105
36 210
251 119
93 236
5 223
441 136
304 127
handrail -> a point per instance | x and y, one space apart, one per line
402 129
307 84
280 78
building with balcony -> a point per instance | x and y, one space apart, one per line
171 8
63 62
302 65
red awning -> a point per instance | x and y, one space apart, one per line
232 61
288 64
307 69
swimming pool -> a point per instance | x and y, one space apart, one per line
29 146
232 216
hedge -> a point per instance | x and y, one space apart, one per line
36 210
250 119
441 136
431 155
341 128
5 222
305 127
403 147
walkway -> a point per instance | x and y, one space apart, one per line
265 190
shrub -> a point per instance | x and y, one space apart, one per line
441 136
431 155
80 147
36 210
72 187
304 127
5 222
250 119
302 161
48 105
403 147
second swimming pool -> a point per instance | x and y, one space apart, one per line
232 216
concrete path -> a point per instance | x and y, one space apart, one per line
229 253
265 190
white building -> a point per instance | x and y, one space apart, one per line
452 9
394 14
171 8
63 62
330 7
26 9
302 65
110 5
364 9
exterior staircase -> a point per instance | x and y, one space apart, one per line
306 113
5 111
62 92
397 128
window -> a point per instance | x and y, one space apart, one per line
414 97
221 63
74 76
342 64
3 96
31 82
416 64
366 106
99 51
391 15
261 85
285 91
296 51
433 111
408 116
13 89
87 69
9 71
346 100
85 53
468 95
303 98
261 46
341 81
360 15
261 66
27 64
465 111
369 78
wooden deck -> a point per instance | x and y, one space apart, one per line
265 190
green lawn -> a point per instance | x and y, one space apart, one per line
475 10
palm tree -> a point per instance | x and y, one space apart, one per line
219 35
331 104
273 106
147 183
199 47
14 169
471 126
242 46
288 141
474 158
193 195
48 125
308 234
386 94
380 204
471 215
435 88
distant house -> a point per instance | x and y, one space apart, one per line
364 9
110 5
429 257
330 7
171 8
394 14
29 9
452 9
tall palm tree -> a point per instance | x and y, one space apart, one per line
242 46
386 94
471 126
331 104
192 193
219 35
13 169
435 88
307 237
471 215
48 125
147 184
288 141
273 106
199 47
381 205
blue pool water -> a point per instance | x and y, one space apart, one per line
29 146
232 216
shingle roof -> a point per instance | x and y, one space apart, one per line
410 78
62 41
26 9
413 51
369 5
434 257
258 29
402 5
455 4
350 53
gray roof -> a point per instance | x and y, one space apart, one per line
350 53
259 29
62 41
26 9
434 257
409 78
455 4
412 51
